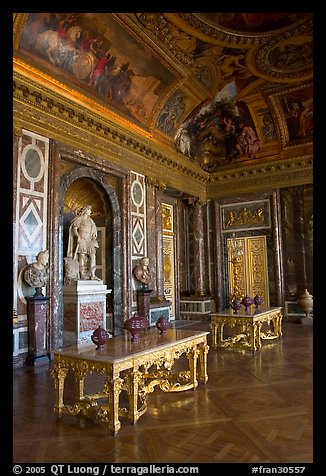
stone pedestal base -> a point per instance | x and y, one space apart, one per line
143 299
37 308
84 309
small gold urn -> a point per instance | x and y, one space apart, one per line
305 301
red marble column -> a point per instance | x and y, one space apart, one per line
200 268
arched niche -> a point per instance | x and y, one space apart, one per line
86 186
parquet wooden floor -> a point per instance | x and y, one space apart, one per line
255 408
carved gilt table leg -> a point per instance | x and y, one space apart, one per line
220 330
203 351
253 337
258 336
59 375
113 388
213 327
192 359
133 380
277 322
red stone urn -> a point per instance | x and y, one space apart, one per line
236 305
258 301
247 302
99 337
163 324
136 325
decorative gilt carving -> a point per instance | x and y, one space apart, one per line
286 173
137 374
81 128
161 186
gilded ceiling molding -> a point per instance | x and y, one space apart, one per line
165 32
221 35
201 30
299 43
43 82
156 26
60 119
281 119
18 27
277 174
161 28
159 185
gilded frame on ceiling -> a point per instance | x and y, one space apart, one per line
294 112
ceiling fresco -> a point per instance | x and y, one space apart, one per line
221 89
95 52
250 22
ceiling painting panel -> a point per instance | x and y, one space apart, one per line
94 52
294 109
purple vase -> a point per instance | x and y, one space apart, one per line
163 324
236 305
136 325
99 337
258 301
247 302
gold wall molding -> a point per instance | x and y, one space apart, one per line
47 112
277 174
39 109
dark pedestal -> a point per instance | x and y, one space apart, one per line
37 308
143 297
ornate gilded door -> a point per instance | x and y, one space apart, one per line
248 269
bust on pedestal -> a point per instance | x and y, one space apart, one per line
143 274
36 275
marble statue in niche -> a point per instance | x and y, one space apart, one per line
82 244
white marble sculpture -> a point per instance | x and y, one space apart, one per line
37 274
82 244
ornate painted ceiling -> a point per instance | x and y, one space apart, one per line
222 90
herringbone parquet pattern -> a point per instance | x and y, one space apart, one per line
253 409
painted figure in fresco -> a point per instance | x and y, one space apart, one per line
142 272
248 141
37 274
306 120
232 147
82 243
183 140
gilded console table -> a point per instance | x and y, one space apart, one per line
136 368
249 327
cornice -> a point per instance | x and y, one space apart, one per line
53 115
276 174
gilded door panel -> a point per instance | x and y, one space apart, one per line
248 269
257 267
237 268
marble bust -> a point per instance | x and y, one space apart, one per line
36 274
142 272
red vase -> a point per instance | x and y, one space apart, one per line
100 337
247 302
136 325
258 301
163 324
236 305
